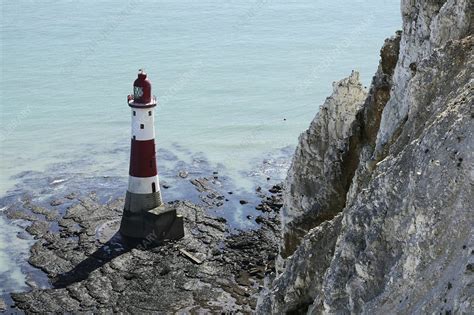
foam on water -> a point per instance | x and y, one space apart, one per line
13 253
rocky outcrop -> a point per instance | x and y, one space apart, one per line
358 143
402 241
406 238
322 168
328 153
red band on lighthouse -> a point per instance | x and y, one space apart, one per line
143 158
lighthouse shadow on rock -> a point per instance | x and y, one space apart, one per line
145 215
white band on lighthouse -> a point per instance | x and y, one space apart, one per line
143 185
143 123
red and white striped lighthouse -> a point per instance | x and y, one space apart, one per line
143 203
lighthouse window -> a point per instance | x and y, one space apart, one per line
153 187
149 113
134 113
142 126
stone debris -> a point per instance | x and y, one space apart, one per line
183 174
56 202
3 306
190 256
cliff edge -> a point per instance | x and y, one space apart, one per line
378 202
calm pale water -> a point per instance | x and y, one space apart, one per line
236 81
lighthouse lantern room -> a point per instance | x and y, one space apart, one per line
145 215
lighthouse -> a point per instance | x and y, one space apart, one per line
144 214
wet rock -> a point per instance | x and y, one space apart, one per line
38 228
209 193
259 219
19 214
22 235
470 268
221 220
71 196
183 174
273 202
56 202
202 184
243 202
30 281
49 214
276 189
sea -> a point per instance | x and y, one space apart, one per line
237 81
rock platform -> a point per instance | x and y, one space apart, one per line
93 269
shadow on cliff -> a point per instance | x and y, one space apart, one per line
115 247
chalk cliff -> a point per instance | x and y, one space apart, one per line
378 202
323 164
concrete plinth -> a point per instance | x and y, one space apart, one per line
156 225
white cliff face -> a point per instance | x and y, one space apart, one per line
310 196
403 239
427 25
300 285
406 240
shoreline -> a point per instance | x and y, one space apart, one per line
56 231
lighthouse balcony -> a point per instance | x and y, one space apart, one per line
135 104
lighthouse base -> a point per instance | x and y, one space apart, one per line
156 225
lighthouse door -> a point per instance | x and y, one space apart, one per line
153 187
